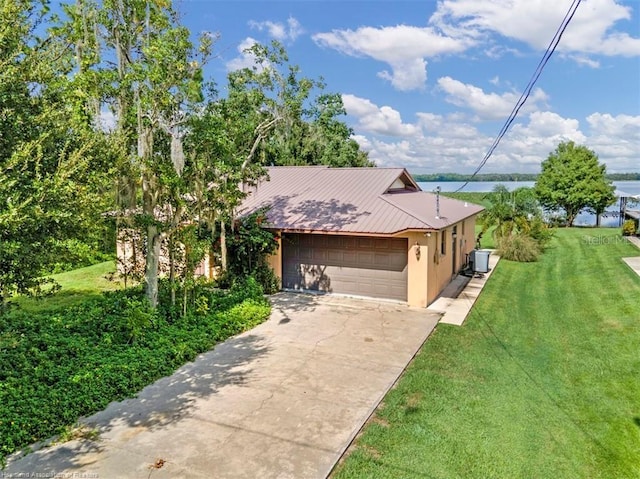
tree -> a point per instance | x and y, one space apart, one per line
572 179
152 87
516 218
51 159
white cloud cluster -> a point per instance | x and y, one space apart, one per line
278 30
534 22
379 120
404 48
445 143
488 106
458 25
245 59
615 137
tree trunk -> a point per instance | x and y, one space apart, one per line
153 260
172 271
223 245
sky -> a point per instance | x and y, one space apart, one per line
428 85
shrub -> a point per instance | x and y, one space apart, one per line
540 231
519 247
629 228
58 366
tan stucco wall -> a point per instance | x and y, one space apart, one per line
275 260
418 269
440 267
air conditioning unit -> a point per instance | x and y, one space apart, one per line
479 261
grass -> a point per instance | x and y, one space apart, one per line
541 381
479 198
77 286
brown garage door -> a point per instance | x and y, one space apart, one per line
363 266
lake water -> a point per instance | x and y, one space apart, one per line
583 219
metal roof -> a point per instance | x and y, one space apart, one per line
350 200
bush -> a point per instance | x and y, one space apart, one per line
58 366
540 231
519 247
629 228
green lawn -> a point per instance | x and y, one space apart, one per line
542 381
77 286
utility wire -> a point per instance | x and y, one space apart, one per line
527 91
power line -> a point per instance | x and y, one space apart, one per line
527 91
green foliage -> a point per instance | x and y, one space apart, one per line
249 246
518 247
52 163
56 366
515 219
572 179
629 228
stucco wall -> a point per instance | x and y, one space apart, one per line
275 260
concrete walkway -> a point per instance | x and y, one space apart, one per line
458 298
634 240
283 400
634 261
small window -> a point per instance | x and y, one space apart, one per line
443 242
463 222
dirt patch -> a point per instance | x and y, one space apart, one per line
380 421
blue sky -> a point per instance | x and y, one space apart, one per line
427 85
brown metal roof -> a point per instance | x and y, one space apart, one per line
350 200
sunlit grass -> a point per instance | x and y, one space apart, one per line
541 381
76 286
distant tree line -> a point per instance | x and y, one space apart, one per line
509 177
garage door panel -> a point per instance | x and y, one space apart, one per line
344 264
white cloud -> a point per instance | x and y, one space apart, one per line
452 143
246 59
534 22
280 31
379 120
585 61
404 48
488 106
615 137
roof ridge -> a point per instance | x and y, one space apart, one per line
382 196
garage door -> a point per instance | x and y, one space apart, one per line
362 266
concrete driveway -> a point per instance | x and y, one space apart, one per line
283 400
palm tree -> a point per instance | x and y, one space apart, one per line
509 211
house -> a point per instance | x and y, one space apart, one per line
363 231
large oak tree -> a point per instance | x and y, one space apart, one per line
572 179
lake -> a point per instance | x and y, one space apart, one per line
583 219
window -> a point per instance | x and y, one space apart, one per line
443 242
463 222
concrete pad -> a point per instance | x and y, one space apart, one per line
283 400
456 309
633 263
634 240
